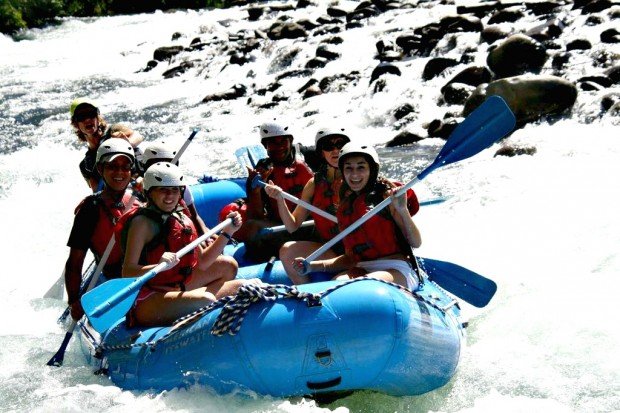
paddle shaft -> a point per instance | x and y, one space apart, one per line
488 123
297 201
361 221
185 145
140 281
280 228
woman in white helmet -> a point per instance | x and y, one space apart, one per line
96 217
90 127
382 246
322 191
162 151
154 234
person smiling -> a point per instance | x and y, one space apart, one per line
284 169
322 191
90 127
96 217
382 246
154 234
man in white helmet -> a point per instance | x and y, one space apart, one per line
285 170
96 216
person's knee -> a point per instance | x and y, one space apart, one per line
226 266
285 250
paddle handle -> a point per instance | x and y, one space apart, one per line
139 282
185 145
257 182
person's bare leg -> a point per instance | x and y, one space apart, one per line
294 249
163 308
392 276
214 276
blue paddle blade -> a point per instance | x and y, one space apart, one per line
250 155
93 299
490 122
465 284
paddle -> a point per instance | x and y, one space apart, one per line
185 145
110 301
57 290
248 156
257 182
487 124
465 284
58 358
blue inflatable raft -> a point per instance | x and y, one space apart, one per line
317 339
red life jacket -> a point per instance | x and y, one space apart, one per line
326 197
109 214
291 179
176 230
379 236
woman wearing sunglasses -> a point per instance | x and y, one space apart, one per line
321 191
90 127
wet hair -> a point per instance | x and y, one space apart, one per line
103 125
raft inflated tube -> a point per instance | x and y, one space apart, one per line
210 198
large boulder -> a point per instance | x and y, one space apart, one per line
529 97
234 92
286 30
162 54
517 55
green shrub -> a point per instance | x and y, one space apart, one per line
38 13
10 18
21 14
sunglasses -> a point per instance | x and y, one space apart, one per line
333 144
86 114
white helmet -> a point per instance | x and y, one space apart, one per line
357 149
273 130
112 148
329 131
157 150
163 174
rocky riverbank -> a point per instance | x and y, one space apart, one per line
529 52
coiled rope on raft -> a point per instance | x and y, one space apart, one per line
235 308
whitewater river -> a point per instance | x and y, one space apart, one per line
545 227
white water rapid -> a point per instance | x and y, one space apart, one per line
545 227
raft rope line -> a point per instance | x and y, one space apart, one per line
235 307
